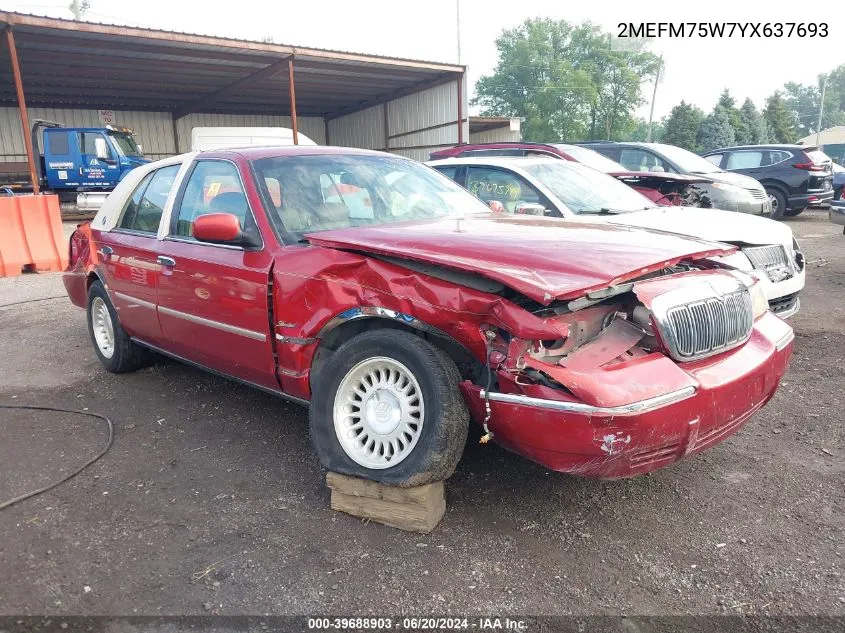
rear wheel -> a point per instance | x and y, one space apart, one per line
778 203
386 406
114 348
791 213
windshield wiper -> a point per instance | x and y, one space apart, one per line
602 211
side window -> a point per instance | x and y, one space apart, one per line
143 212
495 184
214 186
778 156
130 211
450 172
744 160
716 159
58 143
635 159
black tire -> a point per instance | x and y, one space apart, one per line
778 204
445 419
127 356
791 213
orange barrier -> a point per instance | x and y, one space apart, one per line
31 234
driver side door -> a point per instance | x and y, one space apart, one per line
213 299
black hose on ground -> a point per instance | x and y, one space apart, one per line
29 495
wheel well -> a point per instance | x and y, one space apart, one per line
337 336
92 277
773 184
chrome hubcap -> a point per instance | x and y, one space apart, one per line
102 326
378 413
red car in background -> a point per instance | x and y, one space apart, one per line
662 188
397 307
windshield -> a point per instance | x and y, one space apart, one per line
126 143
307 194
592 158
686 160
584 190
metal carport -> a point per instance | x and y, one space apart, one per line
163 83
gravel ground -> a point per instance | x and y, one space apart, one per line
211 500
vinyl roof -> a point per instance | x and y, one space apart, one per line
65 63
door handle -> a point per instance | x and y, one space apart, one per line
166 261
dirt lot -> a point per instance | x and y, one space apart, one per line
211 500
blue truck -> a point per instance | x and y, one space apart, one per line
79 164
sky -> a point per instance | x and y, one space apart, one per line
695 70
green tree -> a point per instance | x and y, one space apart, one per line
640 130
715 130
758 132
803 101
681 127
742 135
780 119
564 80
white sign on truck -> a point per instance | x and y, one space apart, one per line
203 138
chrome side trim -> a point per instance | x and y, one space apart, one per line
135 301
633 408
295 340
786 340
225 327
183 240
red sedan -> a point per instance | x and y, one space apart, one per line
396 306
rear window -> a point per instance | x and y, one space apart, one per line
817 156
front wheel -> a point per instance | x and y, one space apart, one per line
386 406
778 203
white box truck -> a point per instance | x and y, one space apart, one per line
203 138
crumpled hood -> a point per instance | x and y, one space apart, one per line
710 224
542 258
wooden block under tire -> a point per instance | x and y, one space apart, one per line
417 509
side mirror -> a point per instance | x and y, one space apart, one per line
140 149
222 228
101 148
657 168
530 208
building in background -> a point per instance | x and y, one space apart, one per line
162 84
831 140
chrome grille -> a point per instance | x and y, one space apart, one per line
758 194
708 326
771 259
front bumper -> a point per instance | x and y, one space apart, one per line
837 212
710 400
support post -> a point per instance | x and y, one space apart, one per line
27 133
386 116
461 109
292 91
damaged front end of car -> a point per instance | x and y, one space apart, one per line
640 375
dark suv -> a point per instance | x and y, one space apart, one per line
795 176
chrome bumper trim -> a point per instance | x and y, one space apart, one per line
578 407
786 340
